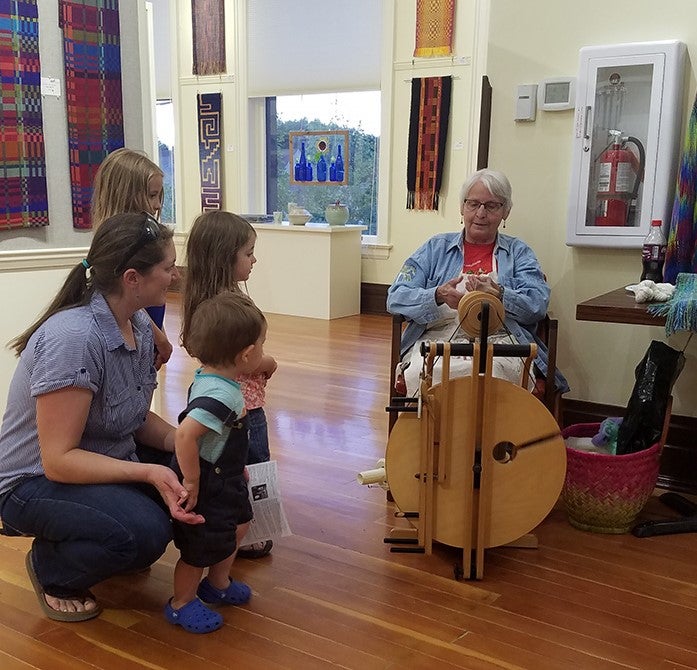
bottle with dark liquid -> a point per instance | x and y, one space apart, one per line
339 164
653 253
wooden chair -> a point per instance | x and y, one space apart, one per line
546 389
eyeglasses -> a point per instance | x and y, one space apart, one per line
150 232
474 205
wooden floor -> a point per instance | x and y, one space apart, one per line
333 596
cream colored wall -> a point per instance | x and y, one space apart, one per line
232 86
27 284
529 41
407 229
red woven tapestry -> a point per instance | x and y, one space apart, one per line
92 53
428 132
434 28
23 195
208 22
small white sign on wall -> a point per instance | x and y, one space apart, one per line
51 86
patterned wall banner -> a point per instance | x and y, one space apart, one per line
208 23
428 132
91 46
435 20
23 196
210 142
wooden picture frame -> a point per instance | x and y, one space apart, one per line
319 157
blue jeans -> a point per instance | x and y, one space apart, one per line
258 437
85 533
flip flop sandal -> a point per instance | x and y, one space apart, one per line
237 593
194 617
257 550
58 615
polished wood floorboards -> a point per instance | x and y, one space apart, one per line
333 596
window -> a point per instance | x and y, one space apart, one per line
357 113
164 125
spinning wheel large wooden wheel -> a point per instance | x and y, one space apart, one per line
522 454
481 465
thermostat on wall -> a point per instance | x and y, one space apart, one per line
556 93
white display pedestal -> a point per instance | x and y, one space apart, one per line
312 270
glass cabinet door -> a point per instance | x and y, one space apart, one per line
621 121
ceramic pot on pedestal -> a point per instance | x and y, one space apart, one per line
336 214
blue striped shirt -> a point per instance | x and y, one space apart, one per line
80 347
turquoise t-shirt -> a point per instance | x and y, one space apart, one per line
224 390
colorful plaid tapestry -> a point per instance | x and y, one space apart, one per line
681 255
434 28
681 310
428 132
22 161
210 142
91 48
208 19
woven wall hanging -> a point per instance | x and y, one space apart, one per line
91 47
428 132
23 195
208 22
435 20
210 142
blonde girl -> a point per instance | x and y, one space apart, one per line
128 181
220 255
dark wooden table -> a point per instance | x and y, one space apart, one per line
617 306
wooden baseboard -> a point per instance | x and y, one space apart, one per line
373 298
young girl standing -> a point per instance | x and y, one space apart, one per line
220 255
128 181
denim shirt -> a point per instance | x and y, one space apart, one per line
525 291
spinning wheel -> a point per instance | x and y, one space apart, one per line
483 462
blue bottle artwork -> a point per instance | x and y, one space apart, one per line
321 169
308 172
339 164
301 171
332 171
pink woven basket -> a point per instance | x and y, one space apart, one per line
605 493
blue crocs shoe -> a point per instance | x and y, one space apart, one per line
237 593
194 617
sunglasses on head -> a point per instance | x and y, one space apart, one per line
149 233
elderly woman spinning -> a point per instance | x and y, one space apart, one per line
434 279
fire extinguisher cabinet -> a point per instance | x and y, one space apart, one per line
629 104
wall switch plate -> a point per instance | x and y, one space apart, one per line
525 102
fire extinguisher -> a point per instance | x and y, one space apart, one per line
619 175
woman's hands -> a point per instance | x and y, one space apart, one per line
61 417
163 347
483 283
448 293
173 493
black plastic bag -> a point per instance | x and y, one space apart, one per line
655 376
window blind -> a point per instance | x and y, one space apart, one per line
313 46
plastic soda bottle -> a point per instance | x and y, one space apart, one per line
653 253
